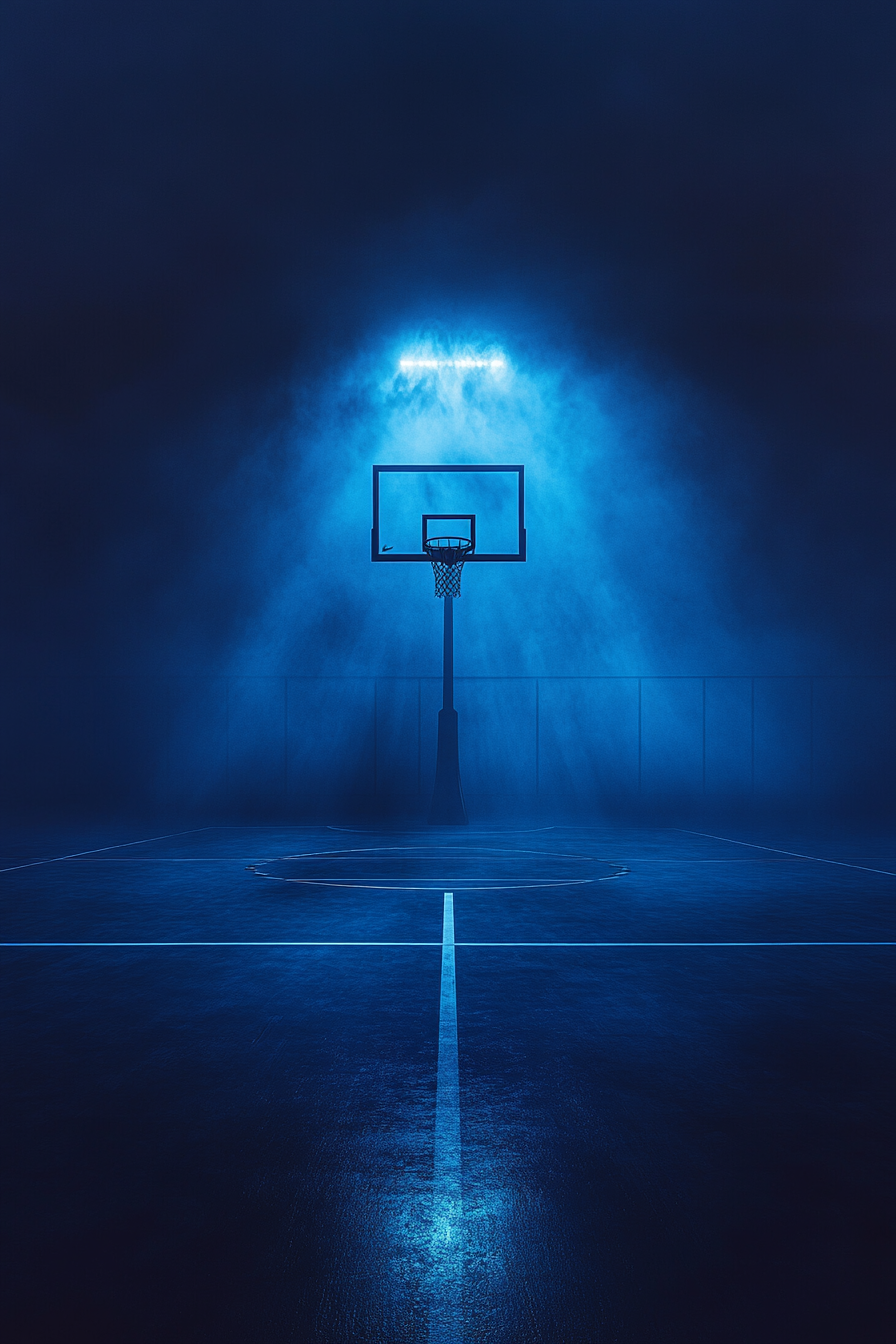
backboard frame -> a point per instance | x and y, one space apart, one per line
411 557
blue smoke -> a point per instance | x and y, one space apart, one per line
628 555
285 675
634 570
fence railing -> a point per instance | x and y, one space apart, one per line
321 745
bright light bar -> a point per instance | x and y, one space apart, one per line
465 363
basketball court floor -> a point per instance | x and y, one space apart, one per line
565 1085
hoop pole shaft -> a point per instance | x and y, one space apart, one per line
447 797
448 655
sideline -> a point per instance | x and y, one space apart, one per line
103 849
770 849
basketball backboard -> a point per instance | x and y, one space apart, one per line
481 502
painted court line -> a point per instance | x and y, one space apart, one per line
813 858
370 943
447 1154
427 850
445 1325
283 943
104 849
781 944
380 886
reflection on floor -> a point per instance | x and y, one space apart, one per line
557 1085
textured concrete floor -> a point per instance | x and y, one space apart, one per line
675 1087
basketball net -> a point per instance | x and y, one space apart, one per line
447 555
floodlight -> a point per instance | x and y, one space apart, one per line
463 362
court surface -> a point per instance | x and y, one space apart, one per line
560 1085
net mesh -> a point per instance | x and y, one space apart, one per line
448 555
447 578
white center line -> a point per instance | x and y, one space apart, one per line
445 1324
447 1157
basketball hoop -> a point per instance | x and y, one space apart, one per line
447 497
448 555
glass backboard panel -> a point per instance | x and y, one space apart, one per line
405 500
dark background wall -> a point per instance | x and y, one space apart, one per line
222 224
262 748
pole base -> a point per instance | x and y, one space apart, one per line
447 796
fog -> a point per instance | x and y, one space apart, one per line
224 229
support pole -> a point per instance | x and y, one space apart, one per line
447 796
